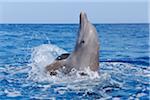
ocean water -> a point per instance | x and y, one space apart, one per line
25 49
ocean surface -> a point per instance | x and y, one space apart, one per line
25 49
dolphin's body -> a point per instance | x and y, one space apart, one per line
85 54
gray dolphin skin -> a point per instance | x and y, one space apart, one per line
85 53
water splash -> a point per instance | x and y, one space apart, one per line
42 56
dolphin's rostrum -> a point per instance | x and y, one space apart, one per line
85 54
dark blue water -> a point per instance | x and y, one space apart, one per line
25 49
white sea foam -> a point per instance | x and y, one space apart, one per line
42 56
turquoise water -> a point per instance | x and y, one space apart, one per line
25 49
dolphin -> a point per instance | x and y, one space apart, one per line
85 53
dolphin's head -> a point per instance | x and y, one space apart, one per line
87 35
86 51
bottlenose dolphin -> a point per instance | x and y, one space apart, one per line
85 53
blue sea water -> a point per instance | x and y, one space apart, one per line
26 48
